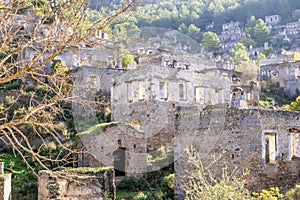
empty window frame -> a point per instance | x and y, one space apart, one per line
163 90
130 92
115 91
93 82
294 145
182 91
269 147
199 95
141 90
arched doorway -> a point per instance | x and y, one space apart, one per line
119 161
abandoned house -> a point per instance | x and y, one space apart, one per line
266 142
230 35
144 103
286 74
293 28
271 20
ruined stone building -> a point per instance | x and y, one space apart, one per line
144 103
293 28
96 51
230 35
286 74
266 142
77 184
272 20
170 102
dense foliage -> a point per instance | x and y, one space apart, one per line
180 14
295 105
272 95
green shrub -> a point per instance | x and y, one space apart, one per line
134 184
203 184
293 193
155 178
167 186
271 194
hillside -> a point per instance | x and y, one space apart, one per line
195 15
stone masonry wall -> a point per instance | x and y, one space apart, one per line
76 185
5 186
101 143
238 137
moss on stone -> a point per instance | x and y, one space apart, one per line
95 129
88 170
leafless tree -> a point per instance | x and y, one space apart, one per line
32 34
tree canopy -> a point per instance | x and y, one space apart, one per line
240 53
261 33
172 14
210 42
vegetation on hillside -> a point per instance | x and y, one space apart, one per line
190 15
272 96
36 122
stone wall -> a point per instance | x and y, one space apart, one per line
140 147
5 186
240 137
286 74
103 141
153 88
78 184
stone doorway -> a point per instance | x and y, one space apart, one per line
119 161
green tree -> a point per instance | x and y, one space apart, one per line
185 12
210 41
261 32
127 58
250 25
261 56
239 53
247 42
194 32
183 28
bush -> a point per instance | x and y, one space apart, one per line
134 184
167 186
272 194
155 178
293 193
295 105
143 196
202 184
273 95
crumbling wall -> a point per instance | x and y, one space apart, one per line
101 142
5 186
237 136
78 185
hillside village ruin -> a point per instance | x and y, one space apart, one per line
172 100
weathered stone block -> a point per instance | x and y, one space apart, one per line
5 186
77 184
